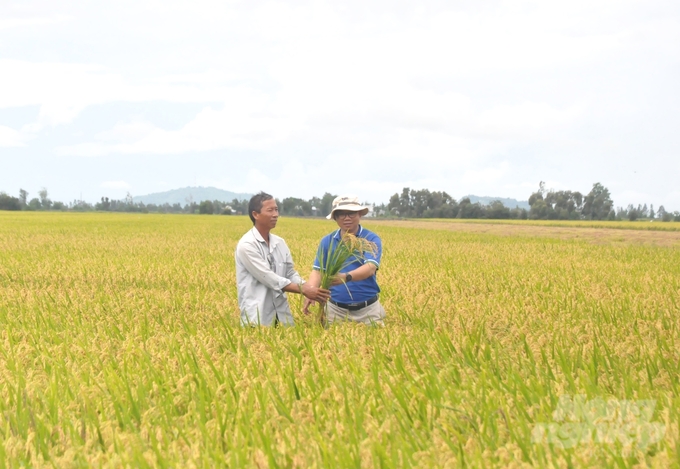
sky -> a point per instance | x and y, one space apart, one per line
299 98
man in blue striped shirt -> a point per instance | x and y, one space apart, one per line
355 290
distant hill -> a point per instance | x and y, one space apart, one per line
197 194
510 203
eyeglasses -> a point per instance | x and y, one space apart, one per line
346 214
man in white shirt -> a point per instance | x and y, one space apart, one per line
265 270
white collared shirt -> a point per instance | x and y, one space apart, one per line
262 272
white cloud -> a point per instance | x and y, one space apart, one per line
127 132
11 138
326 62
244 122
64 90
527 119
434 128
486 176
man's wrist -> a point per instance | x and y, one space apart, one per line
348 277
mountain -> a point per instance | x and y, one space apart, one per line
510 203
196 194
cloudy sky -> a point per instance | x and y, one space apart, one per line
302 97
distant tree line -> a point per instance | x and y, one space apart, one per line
544 205
44 203
633 213
413 203
292 206
568 205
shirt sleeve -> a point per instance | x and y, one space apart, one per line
249 256
317 259
291 273
370 258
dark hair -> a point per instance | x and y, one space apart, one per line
255 204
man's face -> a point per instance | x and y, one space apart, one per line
268 216
347 220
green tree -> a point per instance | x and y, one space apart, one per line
538 195
519 213
45 202
293 206
496 210
393 205
597 204
380 210
405 202
23 198
239 206
539 207
466 209
663 215
7 202
419 202
34 204
422 203
104 205
566 205
441 205
539 210
326 204
206 207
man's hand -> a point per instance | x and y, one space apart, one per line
315 293
308 303
338 279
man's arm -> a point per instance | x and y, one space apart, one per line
315 278
312 292
249 256
371 264
297 285
360 273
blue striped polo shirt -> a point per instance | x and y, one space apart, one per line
359 290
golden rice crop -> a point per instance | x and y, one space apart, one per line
120 345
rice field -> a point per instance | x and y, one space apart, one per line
120 347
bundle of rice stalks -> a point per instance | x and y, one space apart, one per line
338 256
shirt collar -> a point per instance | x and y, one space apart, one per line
273 241
337 233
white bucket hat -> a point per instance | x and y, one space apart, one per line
347 202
